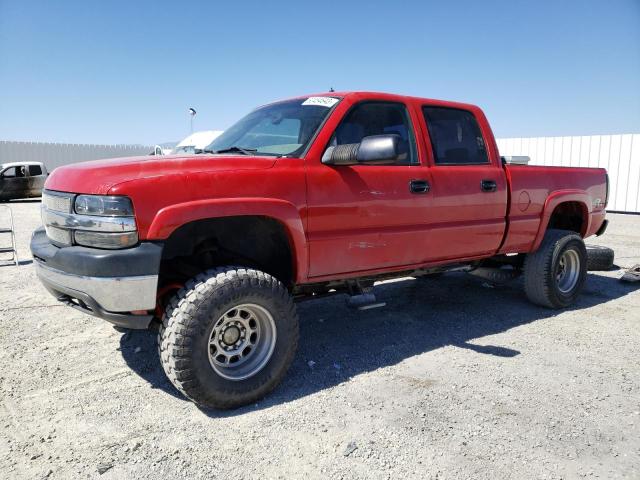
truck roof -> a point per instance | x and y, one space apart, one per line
391 97
19 164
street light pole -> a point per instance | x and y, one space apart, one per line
192 113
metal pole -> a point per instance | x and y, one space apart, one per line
192 113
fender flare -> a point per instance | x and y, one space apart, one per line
553 200
168 219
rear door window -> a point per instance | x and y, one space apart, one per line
35 170
455 136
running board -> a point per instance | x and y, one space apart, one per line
364 301
362 297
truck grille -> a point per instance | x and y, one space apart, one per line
57 202
65 227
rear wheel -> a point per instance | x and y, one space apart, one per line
554 274
228 337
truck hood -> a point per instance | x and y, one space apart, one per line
99 176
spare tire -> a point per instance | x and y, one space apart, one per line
599 258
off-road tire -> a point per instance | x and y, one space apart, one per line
189 319
599 259
542 266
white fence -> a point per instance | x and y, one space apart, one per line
57 154
619 154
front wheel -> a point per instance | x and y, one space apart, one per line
555 273
228 337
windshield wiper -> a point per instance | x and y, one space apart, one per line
244 151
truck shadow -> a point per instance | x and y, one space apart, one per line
337 343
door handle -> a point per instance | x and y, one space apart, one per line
419 186
488 185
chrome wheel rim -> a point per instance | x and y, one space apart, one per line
242 341
568 271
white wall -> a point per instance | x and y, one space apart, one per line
56 154
619 154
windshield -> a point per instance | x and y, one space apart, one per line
283 128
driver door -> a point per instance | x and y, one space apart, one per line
368 217
14 183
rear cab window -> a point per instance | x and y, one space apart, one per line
456 138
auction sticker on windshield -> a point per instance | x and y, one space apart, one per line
321 101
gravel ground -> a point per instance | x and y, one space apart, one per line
452 379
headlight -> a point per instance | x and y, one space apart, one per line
103 205
111 233
98 221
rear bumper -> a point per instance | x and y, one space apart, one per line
597 223
106 284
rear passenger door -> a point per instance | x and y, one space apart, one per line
469 188
36 180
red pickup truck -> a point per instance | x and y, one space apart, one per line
302 198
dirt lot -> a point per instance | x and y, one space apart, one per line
452 379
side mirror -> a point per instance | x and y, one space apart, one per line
379 149
373 150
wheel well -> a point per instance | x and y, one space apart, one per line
569 216
250 241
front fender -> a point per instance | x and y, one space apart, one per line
170 218
556 198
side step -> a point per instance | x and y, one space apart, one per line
366 301
362 298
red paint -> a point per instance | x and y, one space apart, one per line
349 220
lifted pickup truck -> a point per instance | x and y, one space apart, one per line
302 198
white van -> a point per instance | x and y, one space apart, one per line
196 141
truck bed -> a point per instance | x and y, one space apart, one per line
531 187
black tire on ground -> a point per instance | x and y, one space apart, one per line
599 259
555 273
207 304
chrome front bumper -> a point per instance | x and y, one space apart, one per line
110 298
116 285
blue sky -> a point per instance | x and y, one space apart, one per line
127 71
